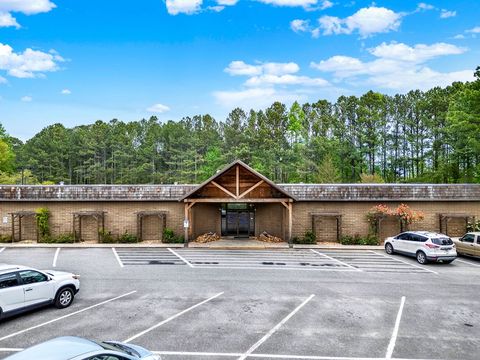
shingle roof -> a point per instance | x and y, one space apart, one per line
301 192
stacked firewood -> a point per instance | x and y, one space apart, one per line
207 237
266 237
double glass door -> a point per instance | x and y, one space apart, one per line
238 220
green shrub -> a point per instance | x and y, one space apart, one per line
5 238
106 237
67 238
308 238
43 224
169 237
359 240
127 238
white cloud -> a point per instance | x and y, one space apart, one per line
26 98
397 66
475 30
7 20
264 80
3 80
227 2
66 92
290 3
271 68
29 64
27 7
158 108
256 97
326 4
459 36
366 21
175 7
444 14
298 25
424 6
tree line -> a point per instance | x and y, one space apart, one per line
421 136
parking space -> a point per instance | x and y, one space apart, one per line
218 305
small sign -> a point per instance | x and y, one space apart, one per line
186 224
5 219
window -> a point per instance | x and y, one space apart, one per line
8 280
404 236
442 241
31 277
419 238
468 238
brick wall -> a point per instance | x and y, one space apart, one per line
121 217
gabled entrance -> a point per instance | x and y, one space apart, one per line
232 196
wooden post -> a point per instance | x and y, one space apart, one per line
238 181
186 228
13 228
290 224
20 228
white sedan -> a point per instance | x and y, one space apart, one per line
23 288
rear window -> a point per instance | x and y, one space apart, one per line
442 241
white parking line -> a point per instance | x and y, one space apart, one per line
462 261
414 265
2 249
66 316
274 329
393 339
268 356
180 257
331 258
117 257
171 318
54 264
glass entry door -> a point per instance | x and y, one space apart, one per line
238 220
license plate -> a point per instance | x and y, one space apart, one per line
446 249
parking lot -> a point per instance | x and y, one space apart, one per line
247 304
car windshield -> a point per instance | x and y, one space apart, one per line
442 241
118 347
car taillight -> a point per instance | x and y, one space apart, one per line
432 246
76 277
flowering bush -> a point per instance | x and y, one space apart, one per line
406 215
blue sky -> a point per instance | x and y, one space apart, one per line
75 62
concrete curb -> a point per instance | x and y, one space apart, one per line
196 246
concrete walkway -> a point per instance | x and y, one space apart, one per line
221 244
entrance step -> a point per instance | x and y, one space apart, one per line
239 244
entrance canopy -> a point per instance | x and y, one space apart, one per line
233 186
238 182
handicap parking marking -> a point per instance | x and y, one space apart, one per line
147 256
261 260
341 262
407 263
180 257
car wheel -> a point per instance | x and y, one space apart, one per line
64 298
421 258
389 249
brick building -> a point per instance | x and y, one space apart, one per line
236 202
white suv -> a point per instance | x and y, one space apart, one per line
425 246
23 289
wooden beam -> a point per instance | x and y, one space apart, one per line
224 190
230 200
191 204
251 189
185 227
238 181
285 204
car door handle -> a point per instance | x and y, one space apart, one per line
30 289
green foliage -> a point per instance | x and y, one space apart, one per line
308 238
106 237
127 238
67 238
420 136
359 240
169 237
43 223
473 226
5 238
371 179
